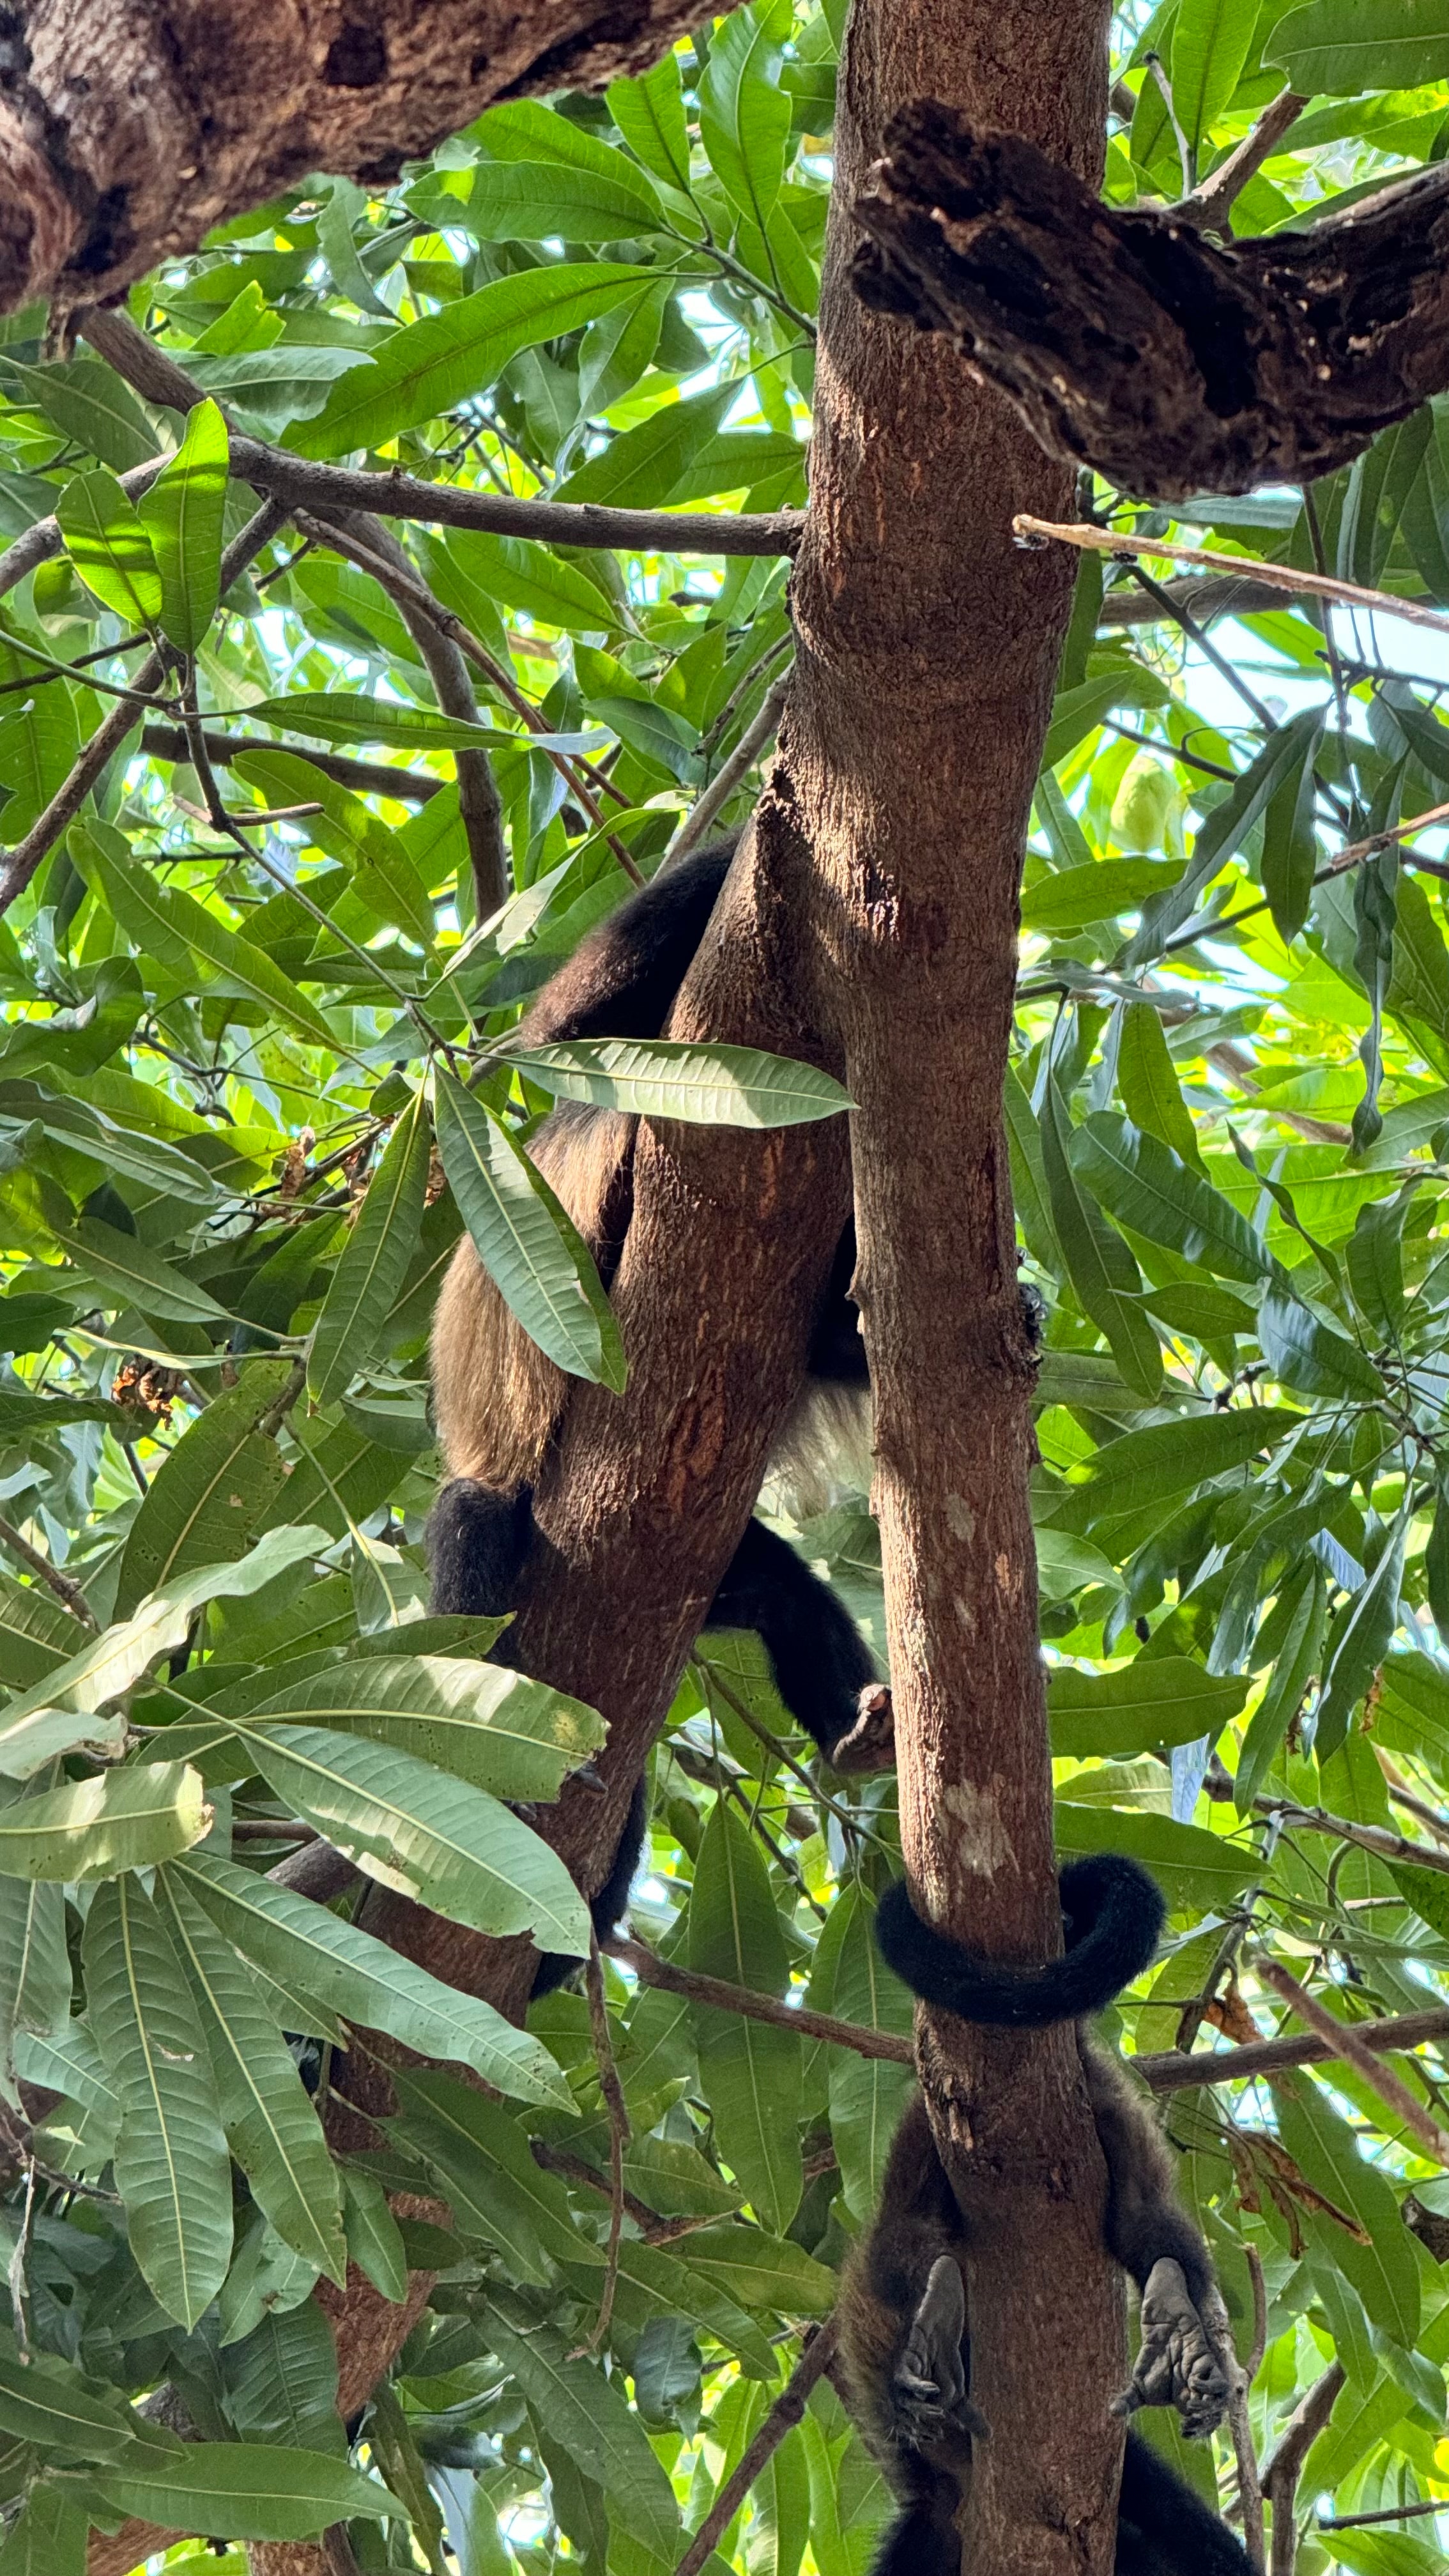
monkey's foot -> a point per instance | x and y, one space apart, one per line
928 2388
869 1745
1176 2365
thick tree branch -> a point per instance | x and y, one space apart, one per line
128 131
1215 595
1131 343
1174 2070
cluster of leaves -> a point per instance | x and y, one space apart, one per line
256 1081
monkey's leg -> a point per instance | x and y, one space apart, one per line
820 1660
1150 2234
919 2543
478 1543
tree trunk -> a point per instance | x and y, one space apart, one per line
928 647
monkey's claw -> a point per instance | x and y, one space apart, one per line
1176 2365
929 2385
869 1745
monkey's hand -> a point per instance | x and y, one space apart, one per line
929 2386
869 1745
1176 2365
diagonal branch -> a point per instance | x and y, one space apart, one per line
783 2416
1130 342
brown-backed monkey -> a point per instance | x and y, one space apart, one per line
499 1400
905 2344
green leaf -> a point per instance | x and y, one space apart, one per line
1197 1870
1211 41
29 1743
172 2166
49 2539
110 547
1077 896
35 1972
1358 1643
763 2271
1144 1467
240 2491
744 114
90 405
521 574
1147 1081
122 1153
302 1945
587 2415
525 1240
539 200
183 513
1149 1187
433 1838
479 1721
381 873
166 922
1338 48
649 113
365 1284
1385 2271
867 2095
1285 754
1158 1700
52 2404
281 2381
126 1819
1290 852
1303 1600
645 466
342 716
1078 712
1104 1276
495 2187
750 2071
711 1086
270 2125
430 365
374 2239
1305 1353
130 1274
205 1502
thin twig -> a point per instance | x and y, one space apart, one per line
1207 206
1214 2314
1370 1838
1289 577
1385 2513
783 2416
368 777
1351 857
62 1585
651 1970
1254 2261
1182 616
1390 2088
1158 72
1284 2468
1170 2071
619 2135
738 766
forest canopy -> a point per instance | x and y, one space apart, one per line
301 806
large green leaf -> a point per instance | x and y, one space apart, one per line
503 1732
381 874
167 922
183 513
374 1263
432 364
126 1819
750 2071
525 1240
172 2167
1103 1274
1149 1187
270 2125
110 547
432 1837
46 2401
541 201
744 114
587 2415
1210 44
1158 1700
1339 47
1385 2270
712 1086
495 2188
240 2491
304 1946
208 1499
867 2095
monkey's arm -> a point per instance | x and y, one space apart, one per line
1151 2235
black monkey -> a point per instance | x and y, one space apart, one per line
905 2346
499 1400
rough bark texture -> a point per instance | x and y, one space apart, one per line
927 650
1130 342
128 128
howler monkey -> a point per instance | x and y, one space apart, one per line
905 2346
499 1400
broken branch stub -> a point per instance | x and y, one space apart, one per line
1131 343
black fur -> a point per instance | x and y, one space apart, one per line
478 1543
607 1909
1163 2525
919 2542
819 1659
621 981
1113 1915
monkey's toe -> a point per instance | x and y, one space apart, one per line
1176 2365
870 1744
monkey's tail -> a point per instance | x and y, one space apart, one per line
1113 1914
1162 2522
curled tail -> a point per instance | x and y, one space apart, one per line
1112 1912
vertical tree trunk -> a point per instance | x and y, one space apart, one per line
928 646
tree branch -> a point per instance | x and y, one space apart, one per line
1211 596
1125 543
1127 340
1209 205
761 730
651 1970
367 777
1174 2070
64 1586
1281 2475
1346 2043
783 2416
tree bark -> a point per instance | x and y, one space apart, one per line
927 651
1131 343
128 130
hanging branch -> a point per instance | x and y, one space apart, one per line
1281 2476
1130 342
783 2416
